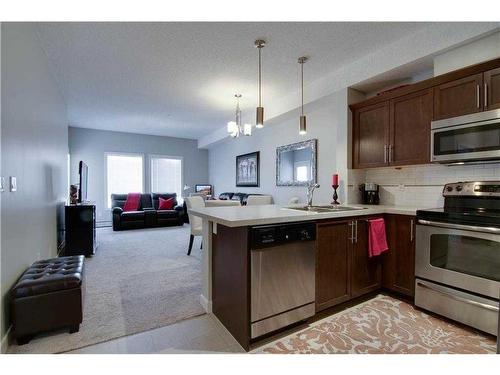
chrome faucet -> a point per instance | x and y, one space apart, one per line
310 192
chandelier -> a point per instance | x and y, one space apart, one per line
234 128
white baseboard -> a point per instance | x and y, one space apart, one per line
206 304
5 341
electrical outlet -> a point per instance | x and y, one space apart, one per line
13 183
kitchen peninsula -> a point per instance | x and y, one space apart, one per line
266 267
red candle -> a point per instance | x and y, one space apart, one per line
335 179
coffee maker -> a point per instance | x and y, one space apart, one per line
369 193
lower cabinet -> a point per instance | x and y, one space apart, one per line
399 262
343 268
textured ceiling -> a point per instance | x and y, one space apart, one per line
178 79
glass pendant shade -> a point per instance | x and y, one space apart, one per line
259 123
247 129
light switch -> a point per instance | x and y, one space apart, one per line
2 184
13 183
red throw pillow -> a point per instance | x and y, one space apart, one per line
166 204
132 202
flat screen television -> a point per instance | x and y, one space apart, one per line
199 188
83 172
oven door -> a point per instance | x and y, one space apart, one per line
460 256
466 138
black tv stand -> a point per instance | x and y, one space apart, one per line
80 234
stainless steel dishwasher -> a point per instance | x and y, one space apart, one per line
282 275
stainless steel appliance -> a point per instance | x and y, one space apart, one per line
282 277
457 260
469 138
369 193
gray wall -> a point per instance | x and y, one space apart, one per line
90 146
327 121
34 149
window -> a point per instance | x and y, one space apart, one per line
166 175
124 174
302 171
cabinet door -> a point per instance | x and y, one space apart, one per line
365 272
411 117
399 262
460 97
332 264
371 136
492 89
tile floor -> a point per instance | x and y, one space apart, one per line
203 334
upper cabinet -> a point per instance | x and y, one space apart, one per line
457 98
371 135
394 129
492 89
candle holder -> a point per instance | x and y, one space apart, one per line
335 196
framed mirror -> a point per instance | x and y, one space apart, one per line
296 163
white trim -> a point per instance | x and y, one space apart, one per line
5 340
206 304
112 153
158 156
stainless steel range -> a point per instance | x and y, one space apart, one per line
457 261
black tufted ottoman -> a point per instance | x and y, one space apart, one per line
49 295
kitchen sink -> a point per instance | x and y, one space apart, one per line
328 208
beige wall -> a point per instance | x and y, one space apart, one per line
34 146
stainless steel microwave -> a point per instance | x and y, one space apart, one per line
469 138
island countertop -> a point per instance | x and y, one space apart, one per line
239 216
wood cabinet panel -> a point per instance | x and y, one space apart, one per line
371 136
459 97
399 262
366 273
332 264
492 89
411 117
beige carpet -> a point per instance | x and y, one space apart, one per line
383 325
137 281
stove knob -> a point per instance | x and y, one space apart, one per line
458 188
449 189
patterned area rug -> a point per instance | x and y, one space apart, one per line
382 325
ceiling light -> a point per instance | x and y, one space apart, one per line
234 128
259 123
302 124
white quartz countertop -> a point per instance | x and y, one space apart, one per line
239 216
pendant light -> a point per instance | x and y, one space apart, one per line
235 128
259 123
302 125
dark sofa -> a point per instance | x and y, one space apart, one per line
147 215
242 197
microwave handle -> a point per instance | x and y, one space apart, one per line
460 226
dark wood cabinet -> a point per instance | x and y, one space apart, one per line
399 262
80 230
492 89
410 128
332 263
371 136
459 97
365 272
343 268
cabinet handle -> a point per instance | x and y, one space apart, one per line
351 225
390 153
356 231
478 88
385 154
485 95
411 230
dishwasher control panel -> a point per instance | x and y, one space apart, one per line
279 234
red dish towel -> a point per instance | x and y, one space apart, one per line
377 241
132 202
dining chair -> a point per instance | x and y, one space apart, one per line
221 203
256 200
194 221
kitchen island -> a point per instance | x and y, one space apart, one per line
341 268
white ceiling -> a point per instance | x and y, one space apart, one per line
178 79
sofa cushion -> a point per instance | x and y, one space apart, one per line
225 196
50 275
132 216
167 214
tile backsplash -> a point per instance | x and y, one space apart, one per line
420 185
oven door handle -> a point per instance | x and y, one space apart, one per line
458 298
473 228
